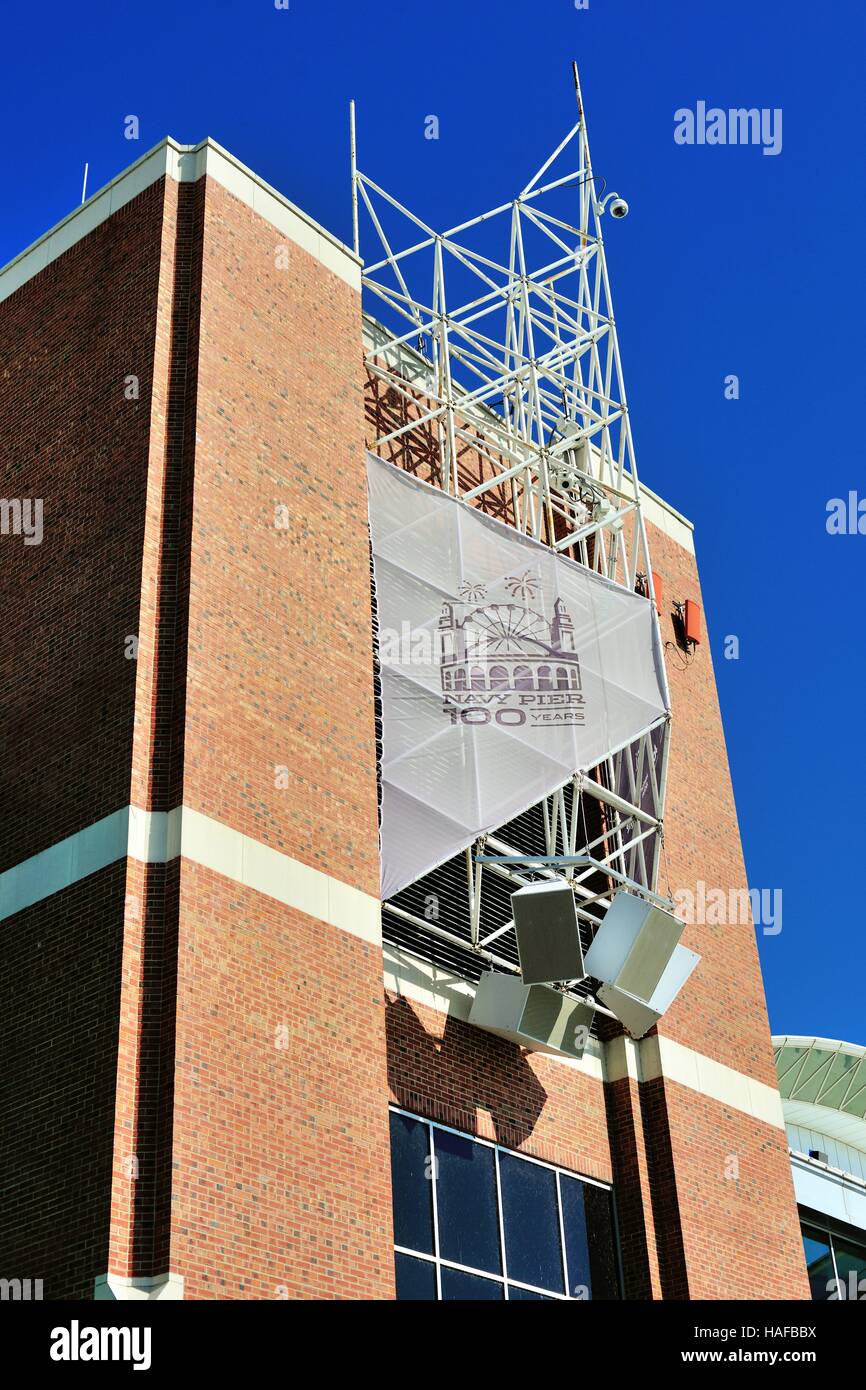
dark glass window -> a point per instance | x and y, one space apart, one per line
416 1279
850 1267
493 1224
529 1210
576 1242
836 1265
466 1198
819 1263
457 1284
411 1186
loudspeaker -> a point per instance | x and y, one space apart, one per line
532 1016
639 1015
548 939
633 945
636 1016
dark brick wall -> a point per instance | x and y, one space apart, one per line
68 339
59 1001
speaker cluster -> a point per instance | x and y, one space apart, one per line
635 956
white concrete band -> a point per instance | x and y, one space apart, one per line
663 1057
184 164
157 837
642 1061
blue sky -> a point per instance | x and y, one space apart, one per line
730 262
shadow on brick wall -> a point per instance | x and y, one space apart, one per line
461 1076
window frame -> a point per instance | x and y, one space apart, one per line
502 1279
824 1226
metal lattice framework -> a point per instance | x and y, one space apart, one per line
509 357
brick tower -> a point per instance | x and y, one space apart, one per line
190 842
202 1035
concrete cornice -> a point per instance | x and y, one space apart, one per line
184 164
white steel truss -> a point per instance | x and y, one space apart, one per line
509 357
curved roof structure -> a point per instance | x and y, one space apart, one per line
823 1086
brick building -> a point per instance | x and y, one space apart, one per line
205 1030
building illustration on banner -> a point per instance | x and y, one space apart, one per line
507 661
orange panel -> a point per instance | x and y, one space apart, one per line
692 621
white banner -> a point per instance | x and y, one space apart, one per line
505 669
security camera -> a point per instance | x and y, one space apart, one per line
618 206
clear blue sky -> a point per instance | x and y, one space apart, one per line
730 262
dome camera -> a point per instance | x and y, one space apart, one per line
618 206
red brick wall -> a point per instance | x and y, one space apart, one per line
717 1237
280 1147
281 1163
632 1186
730 1199
141 1171
723 1011
280 645
446 1070
141 1199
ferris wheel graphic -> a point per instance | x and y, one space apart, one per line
508 628
507 647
